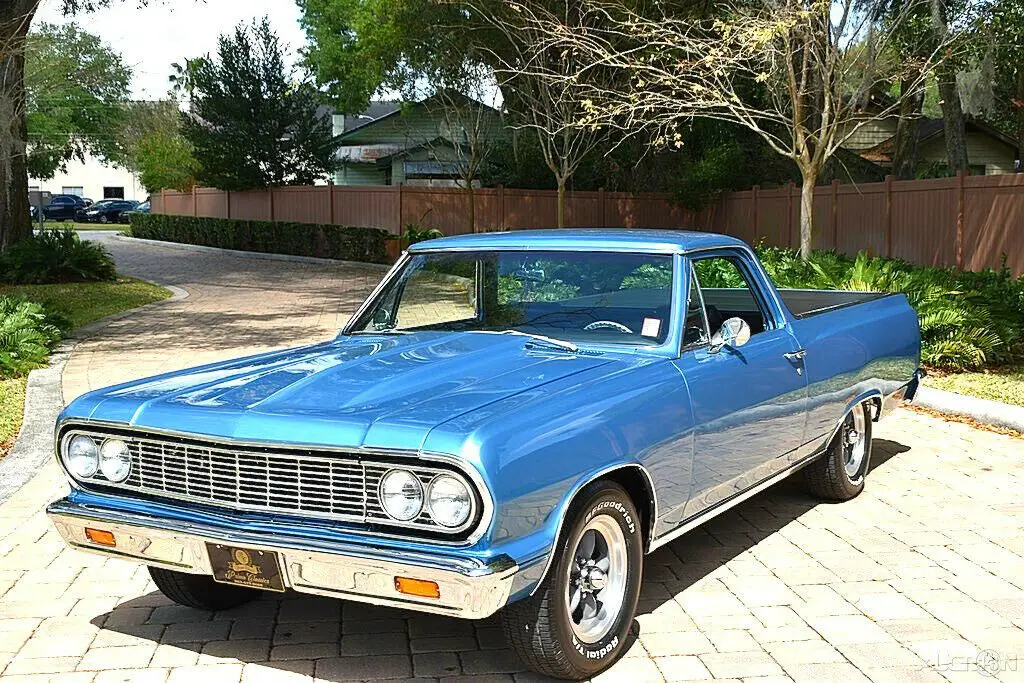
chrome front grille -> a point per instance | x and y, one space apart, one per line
332 487
307 482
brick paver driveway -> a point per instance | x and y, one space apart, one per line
921 578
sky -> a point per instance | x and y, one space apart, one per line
151 38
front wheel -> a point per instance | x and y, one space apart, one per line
839 474
577 622
198 591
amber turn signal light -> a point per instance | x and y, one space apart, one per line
100 537
417 587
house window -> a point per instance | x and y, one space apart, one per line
113 193
70 189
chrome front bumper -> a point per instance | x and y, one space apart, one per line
468 588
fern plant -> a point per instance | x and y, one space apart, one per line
27 335
56 256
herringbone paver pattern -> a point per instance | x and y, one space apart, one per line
919 579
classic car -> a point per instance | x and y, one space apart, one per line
509 422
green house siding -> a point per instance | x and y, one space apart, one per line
982 151
360 174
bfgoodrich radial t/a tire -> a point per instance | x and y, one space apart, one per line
577 622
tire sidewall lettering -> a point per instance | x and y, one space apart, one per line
616 506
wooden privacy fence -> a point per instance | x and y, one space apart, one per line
966 221
391 207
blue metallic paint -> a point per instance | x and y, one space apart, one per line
538 425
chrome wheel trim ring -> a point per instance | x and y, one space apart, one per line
596 579
855 442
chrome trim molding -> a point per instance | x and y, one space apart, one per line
384 282
469 589
425 459
579 487
700 518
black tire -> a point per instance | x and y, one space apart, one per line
539 628
827 477
198 591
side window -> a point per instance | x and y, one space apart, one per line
696 330
727 293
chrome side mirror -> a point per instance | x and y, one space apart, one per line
733 332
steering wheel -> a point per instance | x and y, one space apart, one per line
608 325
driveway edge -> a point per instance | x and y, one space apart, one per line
237 253
979 409
44 400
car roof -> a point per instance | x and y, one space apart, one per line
597 239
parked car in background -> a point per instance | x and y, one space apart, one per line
63 207
107 211
144 207
511 421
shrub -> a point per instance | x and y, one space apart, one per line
968 319
27 333
416 232
56 256
275 237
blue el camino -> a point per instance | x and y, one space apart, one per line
509 422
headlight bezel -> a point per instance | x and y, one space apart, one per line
66 458
96 475
124 459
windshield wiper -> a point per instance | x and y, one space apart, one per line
380 332
540 340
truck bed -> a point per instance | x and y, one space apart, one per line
803 303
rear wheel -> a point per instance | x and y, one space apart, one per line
577 622
839 473
198 591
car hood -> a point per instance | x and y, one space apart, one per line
365 391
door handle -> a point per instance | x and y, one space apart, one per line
796 355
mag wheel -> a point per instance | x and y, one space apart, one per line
577 622
839 473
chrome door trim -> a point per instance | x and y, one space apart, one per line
369 300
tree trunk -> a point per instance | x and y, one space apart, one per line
470 206
1019 106
15 223
561 201
809 180
908 131
953 123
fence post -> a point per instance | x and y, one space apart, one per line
757 231
835 214
888 216
600 198
195 202
163 200
960 219
330 201
227 200
401 208
501 208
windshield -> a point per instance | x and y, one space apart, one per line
601 297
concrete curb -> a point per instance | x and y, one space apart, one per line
980 409
251 254
44 400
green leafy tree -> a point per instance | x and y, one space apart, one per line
154 147
15 21
77 93
253 121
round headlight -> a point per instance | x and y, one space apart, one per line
82 457
401 495
449 501
115 461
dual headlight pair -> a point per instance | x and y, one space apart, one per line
84 457
447 499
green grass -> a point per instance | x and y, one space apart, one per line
55 225
81 303
1005 385
12 405
84 302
